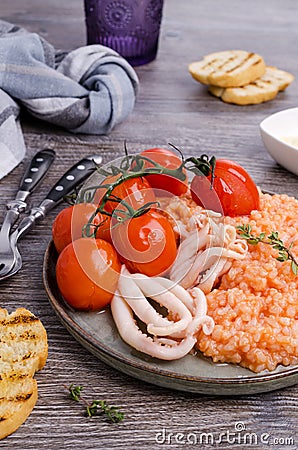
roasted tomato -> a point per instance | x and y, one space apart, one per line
87 273
233 192
169 160
135 191
70 222
145 243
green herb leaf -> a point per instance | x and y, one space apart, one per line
92 408
75 392
284 253
112 412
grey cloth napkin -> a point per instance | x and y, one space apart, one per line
88 90
12 146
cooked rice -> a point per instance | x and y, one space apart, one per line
255 306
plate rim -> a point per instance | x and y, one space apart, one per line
99 347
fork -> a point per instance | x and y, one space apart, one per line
34 173
67 183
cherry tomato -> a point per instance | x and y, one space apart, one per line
146 243
87 273
170 160
69 223
135 191
234 193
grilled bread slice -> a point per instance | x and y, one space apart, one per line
23 351
230 68
280 77
18 399
261 90
258 91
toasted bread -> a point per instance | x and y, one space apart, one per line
18 399
23 351
261 90
257 92
230 68
280 77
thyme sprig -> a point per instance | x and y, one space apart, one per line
112 412
273 239
75 392
96 406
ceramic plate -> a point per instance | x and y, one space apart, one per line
97 332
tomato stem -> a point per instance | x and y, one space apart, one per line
129 212
202 166
177 149
135 161
133 166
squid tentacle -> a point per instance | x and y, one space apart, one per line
139 303
206 281
201 319
151 288
188 250
133 336
179 291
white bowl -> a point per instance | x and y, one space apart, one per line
274 129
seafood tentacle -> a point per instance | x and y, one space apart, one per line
201 319
179 291
151 288
138 302
188 250
133 336
207 280
205 260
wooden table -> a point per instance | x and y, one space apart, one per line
171 107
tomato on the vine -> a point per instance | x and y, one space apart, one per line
170 160
69 224
145 243
232 192
135 191
87 273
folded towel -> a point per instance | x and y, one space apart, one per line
12 146
88 90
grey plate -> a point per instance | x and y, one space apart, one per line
97 332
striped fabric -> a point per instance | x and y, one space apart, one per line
89 90
12 146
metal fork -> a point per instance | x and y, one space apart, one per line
71 179
17 264
36 170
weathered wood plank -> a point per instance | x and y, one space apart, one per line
171 107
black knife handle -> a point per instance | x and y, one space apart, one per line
71 179
37 169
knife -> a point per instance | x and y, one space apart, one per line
34 173
67 183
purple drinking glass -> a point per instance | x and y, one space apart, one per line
131 27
